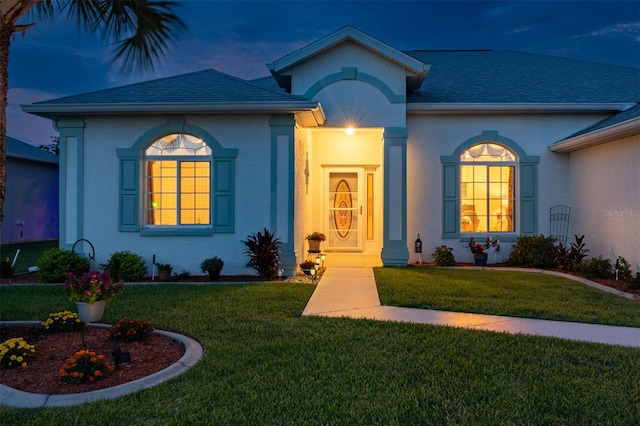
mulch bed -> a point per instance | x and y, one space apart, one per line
41 374
32 278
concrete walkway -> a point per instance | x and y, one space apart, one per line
352 293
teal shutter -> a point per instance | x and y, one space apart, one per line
528 203
450 201
223 205
129 217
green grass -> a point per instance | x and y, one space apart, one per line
30 252
264 364
519 294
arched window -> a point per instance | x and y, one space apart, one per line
177 179
167 181
489 184
487 189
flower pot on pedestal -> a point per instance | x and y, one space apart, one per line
480 258
314 246
91 312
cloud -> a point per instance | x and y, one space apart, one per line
239 58
631 30
26 127
519 30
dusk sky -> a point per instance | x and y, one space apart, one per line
54 59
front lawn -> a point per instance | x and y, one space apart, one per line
30 252
492 291
264 364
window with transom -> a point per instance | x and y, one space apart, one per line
487 189
177 181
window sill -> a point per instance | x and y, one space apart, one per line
481 236
179 232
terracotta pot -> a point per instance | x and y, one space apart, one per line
314 246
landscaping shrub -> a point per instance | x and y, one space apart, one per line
533 251
60 322
264 254
596 267
568 259
15 353
130 329
6 270
624 270
126 266
54 264
635 283
443 256
626 274
84 366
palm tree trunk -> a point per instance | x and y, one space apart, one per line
6 32
10 12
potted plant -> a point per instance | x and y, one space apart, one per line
164 271
307 266
478 249
212 266
315 238
90 291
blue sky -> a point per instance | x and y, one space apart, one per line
54 59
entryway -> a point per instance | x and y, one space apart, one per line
349 216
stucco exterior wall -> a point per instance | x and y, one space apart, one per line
249 134
303 199
372 97
433 135
605 199
347 54
358 104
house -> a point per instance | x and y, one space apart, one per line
31 201
354 138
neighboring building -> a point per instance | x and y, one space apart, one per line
31 200
353 138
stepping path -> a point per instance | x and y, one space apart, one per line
352 293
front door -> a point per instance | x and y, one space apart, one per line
344 209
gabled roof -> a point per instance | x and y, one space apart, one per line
621 125
198 92
24 151
458 81
417 70
510 77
